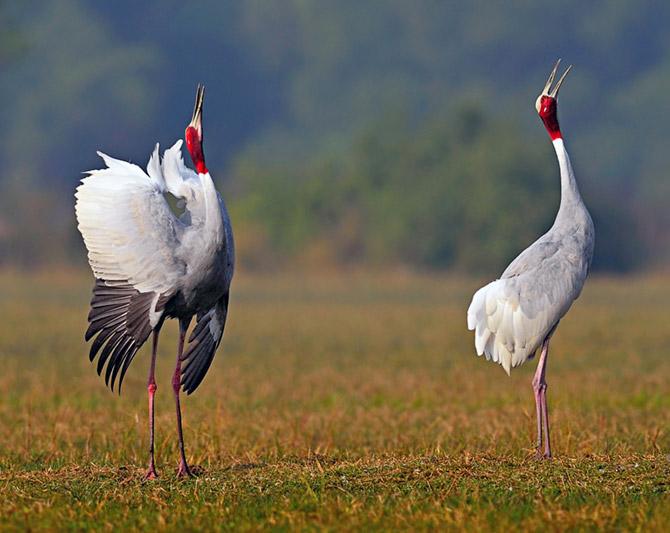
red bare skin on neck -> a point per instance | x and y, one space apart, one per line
194 145
548 115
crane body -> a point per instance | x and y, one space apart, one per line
151 264
517 314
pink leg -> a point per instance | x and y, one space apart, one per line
540 393
151 387
538 414
545 421
184 470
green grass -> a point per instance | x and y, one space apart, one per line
340 403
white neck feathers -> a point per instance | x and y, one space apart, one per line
571 200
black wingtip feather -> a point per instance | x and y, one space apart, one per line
199 362
202 346
119 316
108 350
116 360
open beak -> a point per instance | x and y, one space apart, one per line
196 120
548 91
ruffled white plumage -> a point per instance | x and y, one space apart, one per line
179 179
505 331
128 227
130 230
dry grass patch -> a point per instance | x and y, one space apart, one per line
340 403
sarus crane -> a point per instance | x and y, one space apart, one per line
518 313
151 263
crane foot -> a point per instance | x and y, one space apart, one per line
151 473
542 455
184 470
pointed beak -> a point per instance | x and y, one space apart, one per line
196 120
548 91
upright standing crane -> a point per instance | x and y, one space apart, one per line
151 264
518 313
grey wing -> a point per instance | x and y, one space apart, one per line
512 315
203 342
531 258
130 234
121 321
547 278
550 275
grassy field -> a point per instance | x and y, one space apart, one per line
340 403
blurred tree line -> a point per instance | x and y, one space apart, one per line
345 133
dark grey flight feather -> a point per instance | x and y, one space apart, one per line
119 321
203 342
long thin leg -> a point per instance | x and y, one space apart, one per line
151 388
545 419
540 393
538 413
184 470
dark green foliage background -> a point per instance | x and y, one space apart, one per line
379 133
